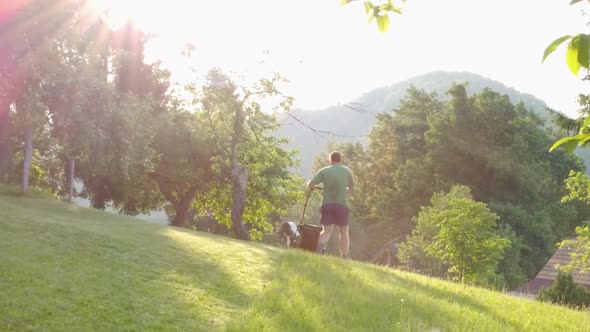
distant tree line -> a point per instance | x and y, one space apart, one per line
471 171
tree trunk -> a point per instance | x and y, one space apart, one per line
28 158
183 207
71 172
182 204
5 151
239 201
180 217
238 179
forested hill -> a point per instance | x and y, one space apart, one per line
352 122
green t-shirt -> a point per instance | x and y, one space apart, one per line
335 179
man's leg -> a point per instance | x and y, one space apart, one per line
344 241
325 237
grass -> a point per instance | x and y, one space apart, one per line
64 267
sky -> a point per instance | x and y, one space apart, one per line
330 54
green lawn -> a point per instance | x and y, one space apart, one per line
66 268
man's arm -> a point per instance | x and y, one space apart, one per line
311 185
317 179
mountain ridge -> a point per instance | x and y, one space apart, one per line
351 122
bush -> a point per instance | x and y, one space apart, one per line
565 291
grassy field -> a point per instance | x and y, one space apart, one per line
67 268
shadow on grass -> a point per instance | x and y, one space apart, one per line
85 274
340 295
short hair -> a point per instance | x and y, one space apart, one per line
335 157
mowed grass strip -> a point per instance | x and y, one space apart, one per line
67 268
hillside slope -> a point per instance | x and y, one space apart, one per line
63 267
353 125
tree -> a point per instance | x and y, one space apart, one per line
185 164
8 93
401 166
30 47
463 235
116 171
74 96
50 51
236 120
123 131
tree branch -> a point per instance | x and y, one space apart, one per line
357 108
320 132
215 133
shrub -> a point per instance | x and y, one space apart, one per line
565 291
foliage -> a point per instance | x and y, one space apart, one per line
579 250
242 132
402 169
565 291
580 139
76 94
358 117
43 51
378 12
511 275
577 57
485 142
578 50
122 156
88 96
458 232
184 162
578 188
534 231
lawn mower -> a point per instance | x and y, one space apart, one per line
304 236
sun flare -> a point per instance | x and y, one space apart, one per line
144 14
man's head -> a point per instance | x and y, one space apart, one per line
335 157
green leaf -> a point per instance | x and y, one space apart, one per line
583 50
570 143
383 22
368 7
385 7
390 8
344 2
575 2
371 16
572 55
396 10
585 126
553 46
584 140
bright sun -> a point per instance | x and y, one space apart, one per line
144 13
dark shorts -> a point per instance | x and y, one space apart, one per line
334 214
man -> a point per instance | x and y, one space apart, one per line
338 183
